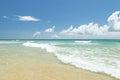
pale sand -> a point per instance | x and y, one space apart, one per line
35 71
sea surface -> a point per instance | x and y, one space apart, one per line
90 54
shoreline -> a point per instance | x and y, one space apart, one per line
91 72
34 64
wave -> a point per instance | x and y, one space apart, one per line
47 47
90 65
80 57
83 42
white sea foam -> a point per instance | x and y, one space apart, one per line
47 47
92 65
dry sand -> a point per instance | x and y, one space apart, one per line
35 71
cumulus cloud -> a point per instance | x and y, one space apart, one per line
36 34
50 29
111 28
114 21
27 18
86 29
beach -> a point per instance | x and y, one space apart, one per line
60 40
59 60
31 70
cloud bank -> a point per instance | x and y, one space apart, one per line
91 30
111 28
87 29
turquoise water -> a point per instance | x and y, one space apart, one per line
94 55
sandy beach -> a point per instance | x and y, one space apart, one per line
32 70
60 40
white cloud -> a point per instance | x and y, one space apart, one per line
36 34
50 29
114 21
5 17
27 18
90 29
109 30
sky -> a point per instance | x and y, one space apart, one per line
59 19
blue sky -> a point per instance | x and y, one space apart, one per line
59 18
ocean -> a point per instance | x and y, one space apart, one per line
102 56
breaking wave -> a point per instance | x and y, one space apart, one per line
83 42
47 47
97 59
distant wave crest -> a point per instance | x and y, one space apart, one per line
83 42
